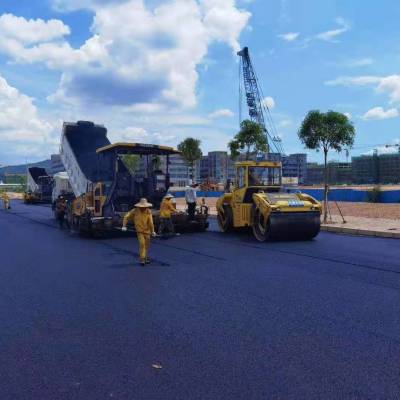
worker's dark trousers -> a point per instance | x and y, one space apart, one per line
60 218
166 227
191 210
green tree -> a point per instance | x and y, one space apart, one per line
250 138
326 131
132 162
191 152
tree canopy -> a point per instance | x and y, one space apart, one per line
325 131
250 138
191 151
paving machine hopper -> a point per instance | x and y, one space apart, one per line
108 179
258 201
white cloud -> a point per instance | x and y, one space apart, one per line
360 62
353 81
224 112
138 70
71 5
285 123
331 35
223 21
130 134
268 102
21 30
21 128
388 149
387 84
380 113
348 115
289 36
137 54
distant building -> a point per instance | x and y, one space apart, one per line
56 164
315 174
389 168
272 157
179 171
295 165
339 173
365 169
376 168
202 169
220 166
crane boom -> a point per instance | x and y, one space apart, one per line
255 103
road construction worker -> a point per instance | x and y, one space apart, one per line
191 200
167 208
61 209
143 220
6 201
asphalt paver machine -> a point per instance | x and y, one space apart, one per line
108 179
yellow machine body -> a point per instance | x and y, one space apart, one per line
31 198
93 201
258 201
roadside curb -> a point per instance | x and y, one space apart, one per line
349 231
360 232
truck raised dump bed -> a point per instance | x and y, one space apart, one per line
39 186
79 143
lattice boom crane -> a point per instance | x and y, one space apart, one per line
258 111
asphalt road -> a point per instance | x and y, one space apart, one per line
224 317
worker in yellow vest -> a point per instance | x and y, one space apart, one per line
167 208
6 201
143 220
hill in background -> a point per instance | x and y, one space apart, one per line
21 169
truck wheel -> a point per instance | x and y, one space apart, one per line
225 219
261 227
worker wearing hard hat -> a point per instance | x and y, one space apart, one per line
6 201
167 208
61 209
143 220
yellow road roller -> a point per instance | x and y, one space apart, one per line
259 202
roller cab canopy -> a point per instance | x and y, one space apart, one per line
137 148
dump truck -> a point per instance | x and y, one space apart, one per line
39 186
107 184
258 201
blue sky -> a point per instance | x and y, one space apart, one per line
159 71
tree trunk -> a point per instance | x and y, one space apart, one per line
325 186
248 153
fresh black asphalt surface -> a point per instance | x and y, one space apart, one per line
214 317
